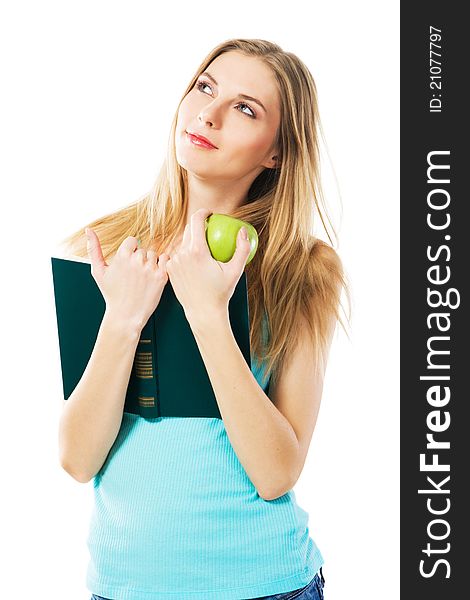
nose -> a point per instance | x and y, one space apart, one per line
207 115
205 118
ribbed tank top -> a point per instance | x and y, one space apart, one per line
175 516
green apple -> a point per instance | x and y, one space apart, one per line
221 236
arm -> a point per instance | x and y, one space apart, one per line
92 416
270 441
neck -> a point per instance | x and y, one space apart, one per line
219 196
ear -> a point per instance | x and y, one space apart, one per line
271 163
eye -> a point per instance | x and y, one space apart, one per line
249 108
201 84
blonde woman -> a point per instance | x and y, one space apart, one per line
203 508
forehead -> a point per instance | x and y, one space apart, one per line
240 74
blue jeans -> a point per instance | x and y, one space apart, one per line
312 591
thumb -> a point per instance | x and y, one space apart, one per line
242 250
95 253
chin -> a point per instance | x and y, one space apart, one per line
193 166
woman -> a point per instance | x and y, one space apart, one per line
203 508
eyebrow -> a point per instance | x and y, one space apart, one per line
244 96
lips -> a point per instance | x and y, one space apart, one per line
201 138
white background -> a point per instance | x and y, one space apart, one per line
89 90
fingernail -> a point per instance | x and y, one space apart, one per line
244 233
87 232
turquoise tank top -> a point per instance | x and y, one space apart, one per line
175 516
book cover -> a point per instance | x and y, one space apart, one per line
168 376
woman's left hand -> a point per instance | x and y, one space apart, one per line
202 284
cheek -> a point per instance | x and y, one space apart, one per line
190 106
254 147
185 110
182 113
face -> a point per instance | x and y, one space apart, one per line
241 129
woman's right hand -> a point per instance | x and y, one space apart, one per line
133 283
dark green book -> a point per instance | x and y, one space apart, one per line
168 376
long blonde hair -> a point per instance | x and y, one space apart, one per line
292 272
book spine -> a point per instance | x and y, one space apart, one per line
142 397
156 373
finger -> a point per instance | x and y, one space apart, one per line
198 229
141 253
128 246
163 260
152 257
94 252
242 251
